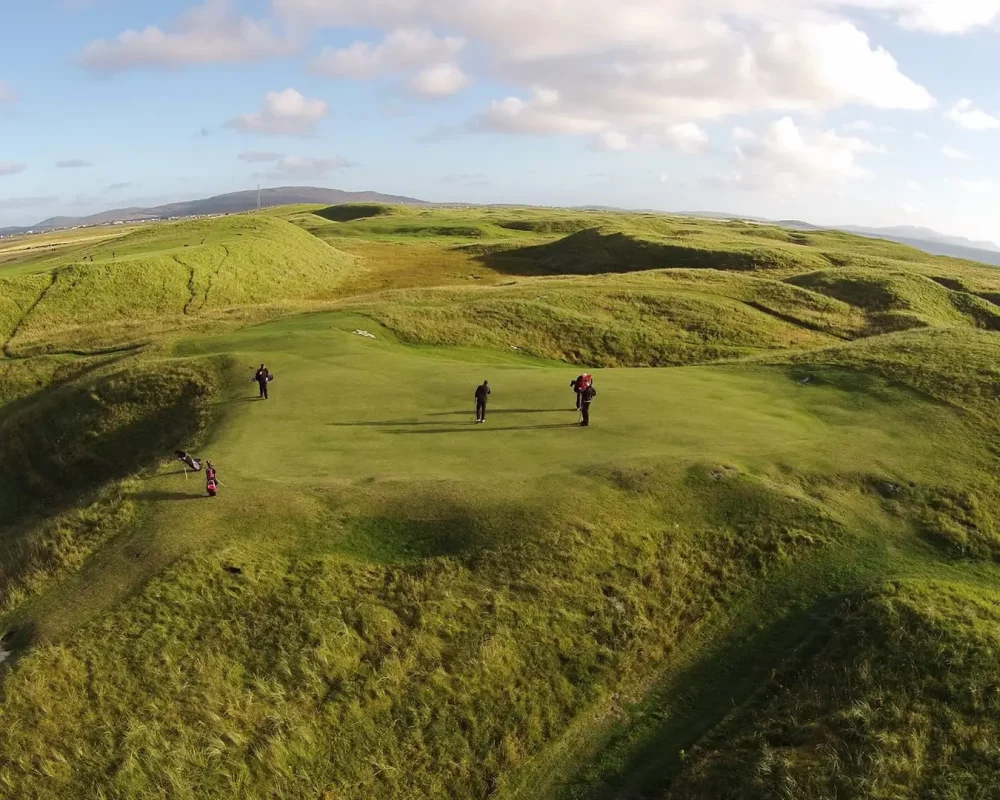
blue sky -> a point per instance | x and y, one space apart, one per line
878 112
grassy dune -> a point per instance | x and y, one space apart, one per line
167 276
767 571
898 700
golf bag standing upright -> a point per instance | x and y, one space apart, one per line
211 482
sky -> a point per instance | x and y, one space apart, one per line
871 112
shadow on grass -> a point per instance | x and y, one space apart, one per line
500 411
381 424
469 413
478 428
157 496
641 755
593 251
16 641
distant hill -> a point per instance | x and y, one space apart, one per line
926 239
914 233
933 242
231 203
798 225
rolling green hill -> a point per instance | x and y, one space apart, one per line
767 570
120 291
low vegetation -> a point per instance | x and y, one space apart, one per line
898 701
770 571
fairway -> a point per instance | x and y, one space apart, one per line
364 443
348 408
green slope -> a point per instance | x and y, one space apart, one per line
166 276
396 559
898 701
766 571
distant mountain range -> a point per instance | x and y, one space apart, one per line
930 241
924 239
220 204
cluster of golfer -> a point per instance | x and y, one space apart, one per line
583 386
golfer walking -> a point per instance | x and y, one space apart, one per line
482 395
586 398
262 377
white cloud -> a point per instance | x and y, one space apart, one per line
951 152
786 157
539 115
966 115
908 208
921 136
556 26
287 113
686 138
615 141
810 67
859 126
439 80
936 16
73 163
212 33
913 186
664 179
259 157
117 187
634 67
739 134
401 50
7 94
6 168
980 186
295 166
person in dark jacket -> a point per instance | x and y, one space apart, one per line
482 394
586 398
262 377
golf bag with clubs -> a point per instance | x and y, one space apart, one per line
189 460
211 482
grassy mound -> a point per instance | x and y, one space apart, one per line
105 426
596 251
958 366
160 276
295 670
584 324
348 212
545 226
65 449
17 297
21 378
897 300
900 702
653 319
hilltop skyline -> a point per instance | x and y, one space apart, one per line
881 112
